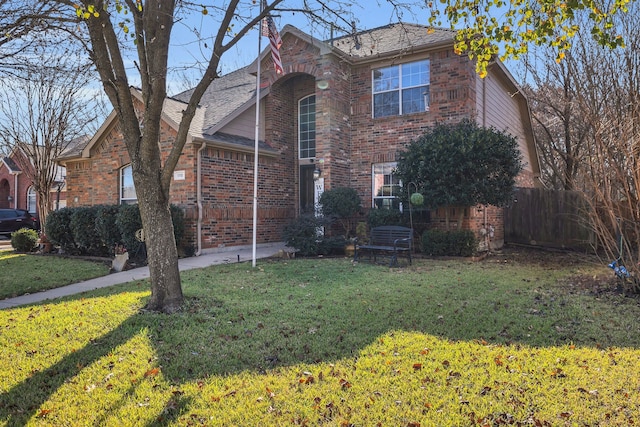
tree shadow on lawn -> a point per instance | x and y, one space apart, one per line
220 335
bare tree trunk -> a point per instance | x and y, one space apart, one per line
166 294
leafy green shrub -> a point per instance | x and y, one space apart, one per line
341 204
24 240
177 217
449 243
59 229
302 234
128 222
106 227
83 230
378 217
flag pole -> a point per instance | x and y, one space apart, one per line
255 154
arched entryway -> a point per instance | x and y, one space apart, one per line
5 192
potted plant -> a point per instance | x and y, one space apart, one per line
121 256
44 243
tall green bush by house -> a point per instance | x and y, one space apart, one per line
105 226
461 164
341 204
83 230
59 230
128 222
177 217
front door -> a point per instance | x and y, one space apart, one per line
307 189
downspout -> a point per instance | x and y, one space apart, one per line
487 238
199 198
15 191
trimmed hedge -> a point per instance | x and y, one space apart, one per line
449 243
98 229
128 222
106 225
59 230
83 230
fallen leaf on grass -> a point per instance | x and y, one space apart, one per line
44 412
151 372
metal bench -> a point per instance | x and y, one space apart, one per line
390 240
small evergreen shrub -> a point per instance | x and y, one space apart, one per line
177 217
83 230
24 240
105 226
58 228
128 222
302 235
341 204
449 243
378 217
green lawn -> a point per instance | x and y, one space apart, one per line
28 273
323 342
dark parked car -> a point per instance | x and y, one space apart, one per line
14 219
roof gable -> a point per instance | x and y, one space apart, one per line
392 39
226 95
11 166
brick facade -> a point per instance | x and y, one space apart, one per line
15 184
348 142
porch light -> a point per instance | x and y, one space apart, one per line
316 174
322 84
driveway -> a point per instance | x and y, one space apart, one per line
5 243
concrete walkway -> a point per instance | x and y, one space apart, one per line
237 254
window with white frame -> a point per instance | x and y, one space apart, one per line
307 127
127 188
31 200
401 89
386 186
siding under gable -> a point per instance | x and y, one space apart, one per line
501 109
245 124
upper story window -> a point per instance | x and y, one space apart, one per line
307 127
401 89
127 188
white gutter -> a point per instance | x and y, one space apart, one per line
15 191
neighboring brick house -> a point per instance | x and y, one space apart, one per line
344 107
16 188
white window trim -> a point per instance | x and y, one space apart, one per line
299 128
32 195
127 200
373 184
399 89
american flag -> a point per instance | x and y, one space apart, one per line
269 30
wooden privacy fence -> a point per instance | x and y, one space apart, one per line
548 218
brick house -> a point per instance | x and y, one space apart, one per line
342 107
16 187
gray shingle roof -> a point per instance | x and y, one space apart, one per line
391 38
11 165
75 146
224 96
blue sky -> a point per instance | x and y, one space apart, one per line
369 14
